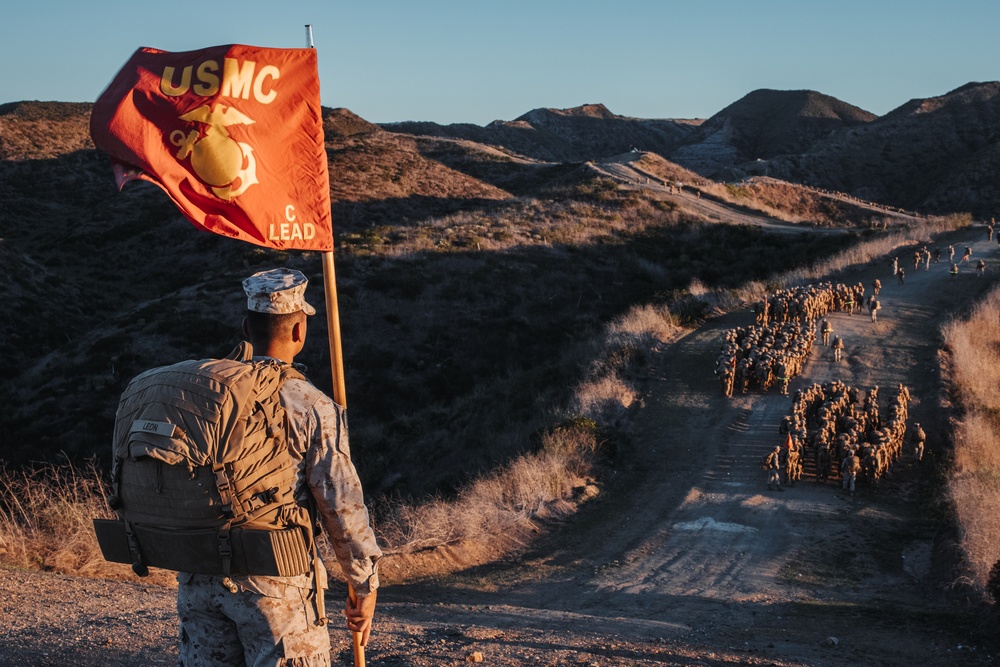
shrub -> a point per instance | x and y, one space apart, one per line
504 505
580 442
974 481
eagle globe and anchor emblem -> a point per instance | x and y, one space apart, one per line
227 165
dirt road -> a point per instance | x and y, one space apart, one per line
685 558
623 169
691 544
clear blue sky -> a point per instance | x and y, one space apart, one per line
476 61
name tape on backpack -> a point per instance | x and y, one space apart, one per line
165 429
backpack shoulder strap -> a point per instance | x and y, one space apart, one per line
242 352
292 372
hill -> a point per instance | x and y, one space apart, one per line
36 130
343 123
935 154
762 125
565 135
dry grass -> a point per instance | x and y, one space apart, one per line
517 223
507 504
45 518
628 342
775 198
40 136
974 482
548 484
803 204
646 324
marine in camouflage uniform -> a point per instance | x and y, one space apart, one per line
275 621
782 374
859 297
762 373
873 307
743 371
774 464
849 468
824 462
793 465
826 331
726 377
838 347
917 439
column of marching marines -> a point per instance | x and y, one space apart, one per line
839 426
775 348
842 425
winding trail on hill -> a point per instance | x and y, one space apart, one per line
685 558
622 169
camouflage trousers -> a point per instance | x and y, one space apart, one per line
269 625
848 481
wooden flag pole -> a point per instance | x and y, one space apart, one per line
333 324
337 370
359 650
332 308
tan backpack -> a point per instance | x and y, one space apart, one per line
203 481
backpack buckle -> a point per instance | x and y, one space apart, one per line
225 550
221 481
225 489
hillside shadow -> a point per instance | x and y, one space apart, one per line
521 179
411 211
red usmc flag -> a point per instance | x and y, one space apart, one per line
233 134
